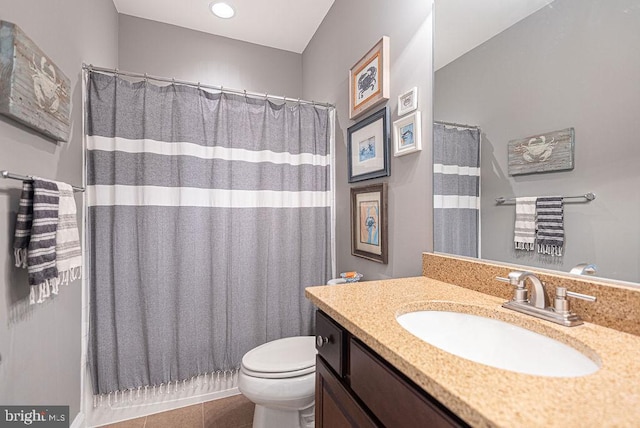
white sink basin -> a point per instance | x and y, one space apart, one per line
497 344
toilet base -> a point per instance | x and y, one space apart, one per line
272 417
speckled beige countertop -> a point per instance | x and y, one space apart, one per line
481 395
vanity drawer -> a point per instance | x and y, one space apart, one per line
391 398
330 342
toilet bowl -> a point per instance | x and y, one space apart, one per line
279 377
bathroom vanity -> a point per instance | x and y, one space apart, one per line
372 372
350 377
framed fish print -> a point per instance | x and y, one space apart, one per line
368 147
369 79
369 222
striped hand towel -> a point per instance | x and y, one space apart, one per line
68 252
525 227
550 225
24 220
41 260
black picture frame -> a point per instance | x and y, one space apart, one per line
370 141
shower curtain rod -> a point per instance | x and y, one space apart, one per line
91 67
456 124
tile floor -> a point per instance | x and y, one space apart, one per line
230 412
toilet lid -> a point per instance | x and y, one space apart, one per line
289 356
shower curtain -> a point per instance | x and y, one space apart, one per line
456 190
208 216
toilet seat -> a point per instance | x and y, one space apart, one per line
281 358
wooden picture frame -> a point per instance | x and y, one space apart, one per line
369 222
407 135
408 101
369 79
368 147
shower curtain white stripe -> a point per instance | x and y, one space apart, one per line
203 152
439 168
103 195
455 201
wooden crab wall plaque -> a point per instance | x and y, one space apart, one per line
33 90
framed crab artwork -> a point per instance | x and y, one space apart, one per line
552 151
369 79
33 90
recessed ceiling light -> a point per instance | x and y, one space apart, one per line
222 10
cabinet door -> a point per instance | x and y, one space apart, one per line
335 407
333 351
392 398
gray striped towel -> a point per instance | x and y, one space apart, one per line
550 225
41 258
525 227
24 220
68 251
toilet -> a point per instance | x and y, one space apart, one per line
279 377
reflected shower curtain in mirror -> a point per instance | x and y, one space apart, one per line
456 190
208 216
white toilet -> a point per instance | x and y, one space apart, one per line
279 377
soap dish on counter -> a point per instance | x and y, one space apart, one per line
351 276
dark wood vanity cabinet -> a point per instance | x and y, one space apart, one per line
355 387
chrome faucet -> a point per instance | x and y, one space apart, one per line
584 269
537 305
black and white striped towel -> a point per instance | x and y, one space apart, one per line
550 225
525 227
24 220
41 258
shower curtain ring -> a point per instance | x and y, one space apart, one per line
173 81
117 72
245 94
146 78
198 85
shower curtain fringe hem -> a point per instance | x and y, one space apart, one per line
218 380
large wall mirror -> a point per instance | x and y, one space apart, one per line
504 75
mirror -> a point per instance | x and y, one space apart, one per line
545 67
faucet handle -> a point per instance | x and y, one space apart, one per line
561 304
521 293
514 278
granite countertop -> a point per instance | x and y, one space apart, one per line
484 396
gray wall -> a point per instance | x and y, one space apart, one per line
169 51
40 346
349 30
572 64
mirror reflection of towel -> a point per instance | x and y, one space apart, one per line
525 227
550 225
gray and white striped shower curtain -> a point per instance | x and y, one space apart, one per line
456 190
208 216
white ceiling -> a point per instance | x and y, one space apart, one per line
281 24
461 25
